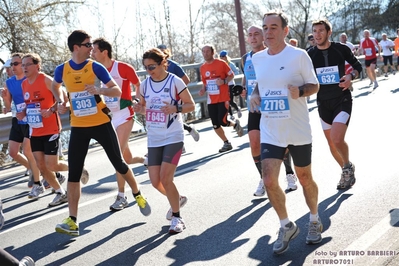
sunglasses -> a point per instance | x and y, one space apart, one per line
28 64
15 63
151 67
88 44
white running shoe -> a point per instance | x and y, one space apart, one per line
194 133
291 182
35 192
176 225
84 178
260 190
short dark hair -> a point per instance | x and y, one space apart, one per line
104 45
280 14
35 58
77 37
155 54
324 22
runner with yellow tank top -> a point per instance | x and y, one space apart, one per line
90 119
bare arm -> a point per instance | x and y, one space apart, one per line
304 90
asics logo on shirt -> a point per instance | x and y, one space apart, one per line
327 70
271 93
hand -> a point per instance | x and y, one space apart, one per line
138 107
168 108
219 81
61 107
345 82
46 113
21 115
254 103
201 92
93 90
294 90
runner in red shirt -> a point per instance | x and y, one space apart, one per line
368 46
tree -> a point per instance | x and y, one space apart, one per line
34 26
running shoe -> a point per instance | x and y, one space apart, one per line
347 177
386 75
239 129
144 207
27 172
27 261
1 215
31 180
194 133
291 182
375 85
260 190
84 178
226 147
61 179
176 225
119 204
285 235
183 201
314 232
239 114
35 192
145 161
68 226
59 199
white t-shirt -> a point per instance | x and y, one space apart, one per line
284 121
385 45
351 46
162 129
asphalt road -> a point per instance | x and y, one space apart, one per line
226 225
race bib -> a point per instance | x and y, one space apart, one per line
34 116
155 118
17 109
211 87
274 104
328 75
83 103
112 102
368 51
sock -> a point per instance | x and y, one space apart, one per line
284 222
57 174
187 127
227 141
258 164
121 194
136 194
287 163
314 217
176 214
60 190
37 183
73 218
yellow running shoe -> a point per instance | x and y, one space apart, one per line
68 226
143 205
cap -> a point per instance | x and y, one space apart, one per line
223 53
7 63
310 36
162 46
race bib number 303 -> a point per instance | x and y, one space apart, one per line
83 103
275 104
328 75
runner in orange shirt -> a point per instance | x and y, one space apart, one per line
216 75
45 126
396 41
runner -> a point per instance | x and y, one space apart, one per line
121 108
334 97
255 40
19 133
386 56
368 46
163 98
45 127
215 75
285 75
90 118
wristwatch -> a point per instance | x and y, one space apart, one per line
353 74
179 108
52 109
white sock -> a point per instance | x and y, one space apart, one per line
121 194
60 190
284 222
314 217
